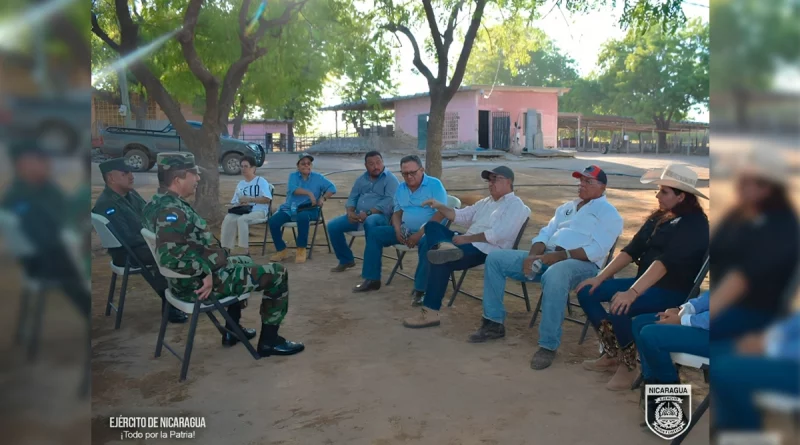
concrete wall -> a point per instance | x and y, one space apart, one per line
252 130
517 103
464 103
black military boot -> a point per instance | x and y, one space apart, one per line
270 343
489 330
228 339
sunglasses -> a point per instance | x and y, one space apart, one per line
409 174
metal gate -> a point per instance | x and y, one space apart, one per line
501 130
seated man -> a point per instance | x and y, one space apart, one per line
123 207
410 214
683 329
370 205
572 248
184 245
494 224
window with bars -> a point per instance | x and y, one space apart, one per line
450 133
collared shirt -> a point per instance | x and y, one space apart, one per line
414 215
782 339
695 313
594 228
378 193
498 220
316 184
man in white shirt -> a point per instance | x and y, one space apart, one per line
494 223
252 190
572 248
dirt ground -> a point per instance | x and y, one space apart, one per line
364 378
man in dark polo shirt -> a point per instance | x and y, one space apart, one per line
123 206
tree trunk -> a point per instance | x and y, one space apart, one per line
205 146
741 99
433 152
237 122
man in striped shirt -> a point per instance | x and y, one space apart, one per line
494 223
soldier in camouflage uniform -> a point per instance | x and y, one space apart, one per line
185 246
123 207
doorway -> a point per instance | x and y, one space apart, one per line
483 129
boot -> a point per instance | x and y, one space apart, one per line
602 364
279 256
301 255
270 343
228 339
623 379
489 330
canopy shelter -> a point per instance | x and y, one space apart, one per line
620 131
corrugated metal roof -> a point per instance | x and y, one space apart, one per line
388 103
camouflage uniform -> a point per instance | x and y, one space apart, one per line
185 246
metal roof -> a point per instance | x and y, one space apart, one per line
615 123
388 103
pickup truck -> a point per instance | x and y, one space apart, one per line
140 147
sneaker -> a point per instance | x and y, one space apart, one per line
426 318
280 256
444 253
302 254
542 359
602 364
489 330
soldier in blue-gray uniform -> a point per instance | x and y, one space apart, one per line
185 246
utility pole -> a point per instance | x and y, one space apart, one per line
124 95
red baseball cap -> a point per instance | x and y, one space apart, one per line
593 172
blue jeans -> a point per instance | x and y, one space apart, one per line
433 278
557 281
652 301
303 221
736 379
377 238
656 341
338 226
736 321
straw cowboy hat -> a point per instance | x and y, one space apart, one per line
769 165
676 176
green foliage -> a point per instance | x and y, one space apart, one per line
658 76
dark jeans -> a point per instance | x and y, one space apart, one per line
303 220
655 342
652 301
437 275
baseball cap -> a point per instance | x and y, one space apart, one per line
501 171
117 164
303 156
593 172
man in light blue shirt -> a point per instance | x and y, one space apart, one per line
370 205
410 214
306 193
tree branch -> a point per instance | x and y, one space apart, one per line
102 35
417 58
186 39
451 25
469 41
434 26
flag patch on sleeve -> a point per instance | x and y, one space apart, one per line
172 217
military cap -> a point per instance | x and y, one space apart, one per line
177 161
26 146
118 164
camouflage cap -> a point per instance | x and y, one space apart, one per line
177 161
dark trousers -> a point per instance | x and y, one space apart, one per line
438 275
654 300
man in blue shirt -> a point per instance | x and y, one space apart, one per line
370 205
410 214
306 192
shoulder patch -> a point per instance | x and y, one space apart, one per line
110 211
172 217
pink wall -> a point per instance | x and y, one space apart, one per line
463 103
518 102
260 129
467 104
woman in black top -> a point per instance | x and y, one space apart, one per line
754 250
670 249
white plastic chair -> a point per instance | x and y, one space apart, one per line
402 249
110 241
195 309
697 362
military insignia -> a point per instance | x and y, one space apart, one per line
110 211
172 217
670 413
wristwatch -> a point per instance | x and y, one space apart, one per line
369 212
568 255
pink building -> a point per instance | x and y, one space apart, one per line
477 116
